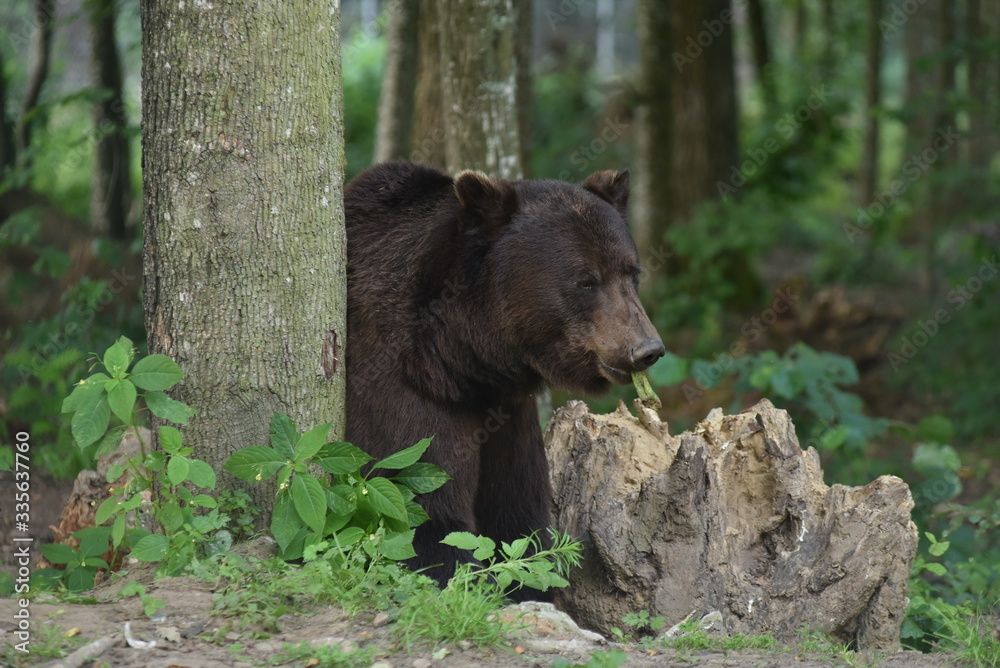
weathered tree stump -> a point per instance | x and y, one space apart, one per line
733 517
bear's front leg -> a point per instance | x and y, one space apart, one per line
514 498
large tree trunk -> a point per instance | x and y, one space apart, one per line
45 11
111 190
479 87
428 127
653 144
686 145
395 106
243 166
759 39
704 114
733 517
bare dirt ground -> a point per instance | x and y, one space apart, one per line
189 635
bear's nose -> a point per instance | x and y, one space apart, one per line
646 353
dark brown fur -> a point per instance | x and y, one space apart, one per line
464 297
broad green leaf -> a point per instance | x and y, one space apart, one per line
310 501
177 469
404 458
60 554
340 458
205 501
201 474
81 579
311 442
350 536
935 568
385 498
398 546
171 440
422 477
486 549
121 398
170 516
160 405
156 372
285 522
111 440
463 540
117 358
516 549
284 435
106 510
415 514
90 422
151 548
115 471
254 463
118 530
86 392
340 499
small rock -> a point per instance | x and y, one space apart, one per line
712 624
465 644
381 664
193 629
421 663
381 619
170 633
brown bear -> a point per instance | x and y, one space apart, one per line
464 296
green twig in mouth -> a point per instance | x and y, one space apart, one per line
645 391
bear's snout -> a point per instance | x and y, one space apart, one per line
646 353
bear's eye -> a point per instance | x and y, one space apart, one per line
587 283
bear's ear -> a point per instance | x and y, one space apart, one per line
489 201
610 186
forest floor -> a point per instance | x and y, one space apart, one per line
188 635
186 632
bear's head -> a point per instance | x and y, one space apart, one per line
563 272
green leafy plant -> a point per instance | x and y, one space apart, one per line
81 563
467 607
611 659
150 604
159 482
354 509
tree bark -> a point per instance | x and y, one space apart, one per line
479 87
428 113
111 190
687 141
733 517
395 108
44 20
244 264
873 98
654 139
